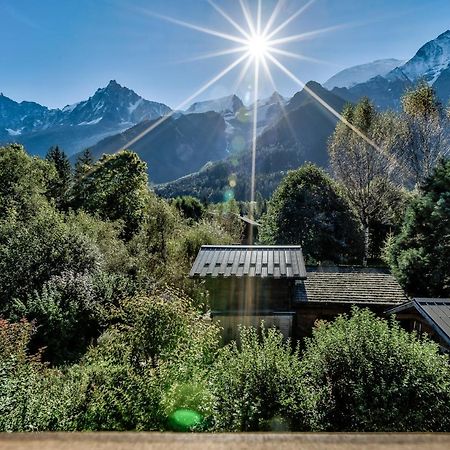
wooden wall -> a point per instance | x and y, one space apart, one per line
250 295
231 323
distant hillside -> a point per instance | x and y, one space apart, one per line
292 140
178 146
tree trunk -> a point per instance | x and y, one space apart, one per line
366 245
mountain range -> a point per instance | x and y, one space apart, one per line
431 63
110 110
197 150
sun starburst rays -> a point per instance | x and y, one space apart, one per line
258 44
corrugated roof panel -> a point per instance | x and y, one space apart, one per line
252 261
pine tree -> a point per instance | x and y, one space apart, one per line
84 163
60 186
419 255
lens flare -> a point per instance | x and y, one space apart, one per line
258 41
258 46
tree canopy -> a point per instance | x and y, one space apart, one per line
420 254
308 209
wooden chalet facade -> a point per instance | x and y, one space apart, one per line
248 284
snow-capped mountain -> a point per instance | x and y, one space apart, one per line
268 109
110 110
114 104
431 63
362 73
229 105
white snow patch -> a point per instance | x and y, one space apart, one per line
92 122
70 108
362 73
133 106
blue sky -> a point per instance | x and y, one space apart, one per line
59 52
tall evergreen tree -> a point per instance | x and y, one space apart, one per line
84 164
420 255
59 187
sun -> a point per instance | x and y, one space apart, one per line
258 46
259 41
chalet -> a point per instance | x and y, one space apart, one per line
426 315
248 284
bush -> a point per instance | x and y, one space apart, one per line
258 386
189 207
69 312
150 364
24 181
370 375
114 189
33 251
33 397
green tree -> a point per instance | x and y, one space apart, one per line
367 168
84 164
308 209
33 251
59 187
24 181
366 374
189 207
419 255
425 139
115 188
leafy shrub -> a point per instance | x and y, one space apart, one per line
33 251
370 375
69 311
33 397
24 181
258 386
114 189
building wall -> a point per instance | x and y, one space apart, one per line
249 295
231 323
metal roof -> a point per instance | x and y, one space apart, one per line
356 287
436 311
249 261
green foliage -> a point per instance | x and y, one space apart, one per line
33 251
189 207
32 397
370 375
149 365
367 167
65 302
420 255
421 101
115 189
24 181
59 186
192 238
83 164
258 386
308 209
